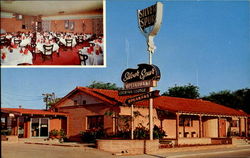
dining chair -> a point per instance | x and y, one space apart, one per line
33 50
3 40
47 52
69 43
80 39
83 59
17 41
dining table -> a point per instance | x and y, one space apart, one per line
93 57
15 57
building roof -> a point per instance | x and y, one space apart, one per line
22 111
172 104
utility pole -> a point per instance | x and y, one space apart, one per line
48 99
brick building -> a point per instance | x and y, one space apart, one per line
85 108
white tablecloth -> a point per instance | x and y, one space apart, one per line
93 59
16 57
24 42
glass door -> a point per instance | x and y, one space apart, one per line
44 128
21 127
39 127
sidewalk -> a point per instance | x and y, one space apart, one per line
198 151
54 142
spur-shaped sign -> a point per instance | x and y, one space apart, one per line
149 22
143 72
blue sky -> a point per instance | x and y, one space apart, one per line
205 43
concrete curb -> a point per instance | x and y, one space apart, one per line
63 145
195 148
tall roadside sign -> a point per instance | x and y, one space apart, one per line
142 80
149 22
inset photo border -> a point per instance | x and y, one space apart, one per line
38 34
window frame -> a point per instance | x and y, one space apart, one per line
186 121
98 122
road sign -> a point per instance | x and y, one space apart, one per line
144 96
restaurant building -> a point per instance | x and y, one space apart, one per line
85 108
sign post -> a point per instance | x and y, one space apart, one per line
149 21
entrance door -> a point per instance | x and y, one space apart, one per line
39 127
44 127
21 127
222 128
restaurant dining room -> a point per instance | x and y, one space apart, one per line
52 33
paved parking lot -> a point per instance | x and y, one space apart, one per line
21 150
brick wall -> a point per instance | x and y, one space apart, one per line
55 124
77 120
191 141
129 146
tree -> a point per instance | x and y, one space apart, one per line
186 91
224 97
239 99
102 85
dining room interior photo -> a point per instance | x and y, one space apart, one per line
52 33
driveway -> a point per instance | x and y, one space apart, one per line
21 150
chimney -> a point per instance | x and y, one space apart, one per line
20 106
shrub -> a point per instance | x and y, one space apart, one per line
6 132
91 135
123 134
158 133
62 133
141 133
54 133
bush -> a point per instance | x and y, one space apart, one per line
6 132
123 134
158 133
54 133
141 133
91 135
62 133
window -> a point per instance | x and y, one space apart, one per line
186 122
84 102
3 123
234 123
95 122
75 102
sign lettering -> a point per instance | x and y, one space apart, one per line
132 91
147 16
140 84
144 96
143 72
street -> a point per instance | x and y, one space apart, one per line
20 150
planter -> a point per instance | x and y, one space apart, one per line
128 146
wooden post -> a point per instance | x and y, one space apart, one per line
177 127
132 121
200 127
240 130
17 126
246 127
218 127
